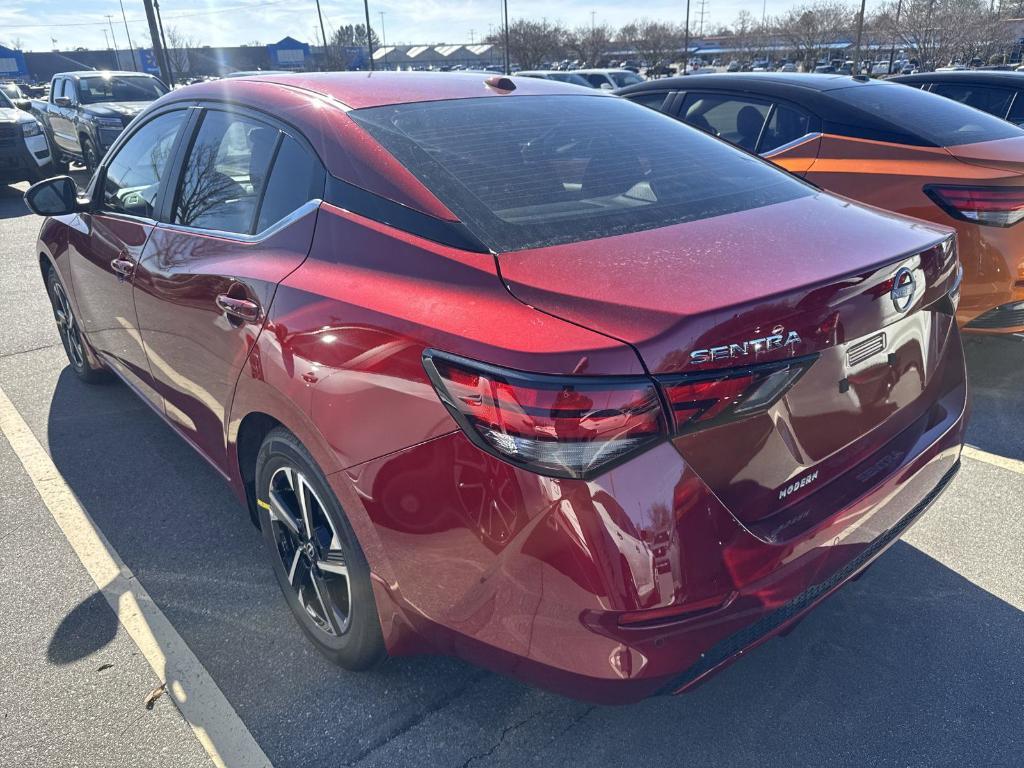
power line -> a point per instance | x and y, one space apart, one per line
144 21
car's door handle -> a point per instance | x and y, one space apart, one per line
123 268
240 309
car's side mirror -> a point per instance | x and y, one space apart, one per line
23 104
54 197
62 101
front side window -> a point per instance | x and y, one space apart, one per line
785 125
596 81
93 90
224 173
737 120
987 99
132 177
530 171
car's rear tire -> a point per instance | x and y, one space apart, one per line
80 356
316 557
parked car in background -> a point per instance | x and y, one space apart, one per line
16 95
441 335
24 153
572 78
609 79
882 143
998 92
86 111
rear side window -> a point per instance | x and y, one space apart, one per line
530 171
937 120
296 179
737 120
992 100
1016 114
652 99
785 125
224 173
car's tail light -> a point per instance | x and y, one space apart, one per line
995 206
708 399
560 426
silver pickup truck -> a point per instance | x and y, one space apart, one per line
87 110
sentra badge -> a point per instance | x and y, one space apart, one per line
780 339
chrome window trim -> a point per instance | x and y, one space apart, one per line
790 144
291 218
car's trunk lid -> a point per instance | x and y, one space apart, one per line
1000 154
705 295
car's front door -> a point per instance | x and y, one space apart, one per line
240 221
107 242
62 115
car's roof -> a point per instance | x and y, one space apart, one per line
104 72
358 90
599 70
983 76
741 79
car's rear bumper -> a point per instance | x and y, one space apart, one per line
533 576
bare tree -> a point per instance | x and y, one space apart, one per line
590 43
939 32
811 28
178 46
656 42
531 43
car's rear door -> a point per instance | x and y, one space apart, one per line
241 219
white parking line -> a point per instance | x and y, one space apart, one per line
213 720
995 460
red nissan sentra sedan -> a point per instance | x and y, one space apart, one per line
516 371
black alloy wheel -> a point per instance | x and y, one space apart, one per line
316 556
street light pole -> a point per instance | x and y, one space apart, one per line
892 50
369 32
117 56
383 39
686 41
860 31
323 35
131 48
508 57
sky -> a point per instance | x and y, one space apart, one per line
75 23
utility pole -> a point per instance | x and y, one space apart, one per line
369 32
702 13
106 39
323 35
686 41
383 40
860 31
892 50
131 48
117 56
508 58
154 36
163 42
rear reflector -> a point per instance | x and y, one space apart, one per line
559 426
709 399
994 206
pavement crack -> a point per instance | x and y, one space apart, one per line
414 719
501 739
17 352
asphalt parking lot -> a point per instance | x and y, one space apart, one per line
917 664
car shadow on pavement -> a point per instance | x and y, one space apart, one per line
995 367
913 665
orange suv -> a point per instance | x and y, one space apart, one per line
888 145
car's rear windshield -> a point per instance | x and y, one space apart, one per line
937 120
94 90
530 171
